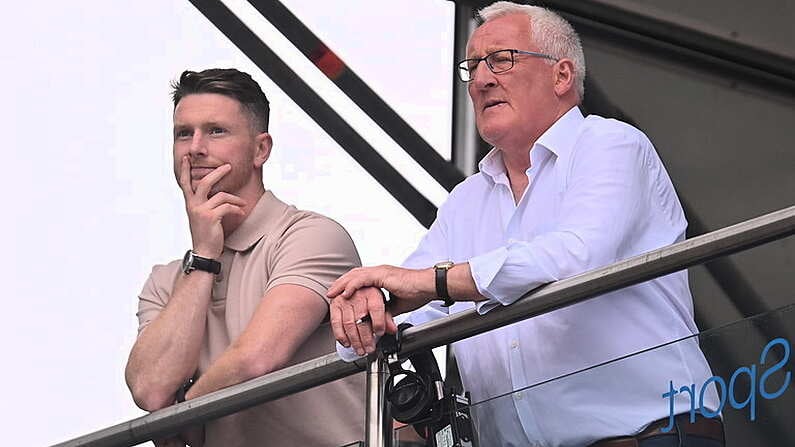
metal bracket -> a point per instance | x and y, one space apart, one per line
390 344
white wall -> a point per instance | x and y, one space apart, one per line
90 202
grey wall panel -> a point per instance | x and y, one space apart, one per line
730 147
765 24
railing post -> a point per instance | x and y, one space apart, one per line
377 421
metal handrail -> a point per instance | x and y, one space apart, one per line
742 236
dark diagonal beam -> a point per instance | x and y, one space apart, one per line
314 106
360 93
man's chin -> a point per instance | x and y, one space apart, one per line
491 134
214 191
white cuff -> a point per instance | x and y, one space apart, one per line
483 307
347 354
484 269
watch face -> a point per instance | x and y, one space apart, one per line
444 265
187 262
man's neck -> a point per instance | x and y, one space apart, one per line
516 166
251 195
517 159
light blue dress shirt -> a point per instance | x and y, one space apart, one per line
597 193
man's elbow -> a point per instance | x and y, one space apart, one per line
152 400
148 396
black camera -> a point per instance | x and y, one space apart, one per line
438 413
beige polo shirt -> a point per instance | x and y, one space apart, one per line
276 244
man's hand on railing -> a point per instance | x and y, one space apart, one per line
349 324
413 287
357 307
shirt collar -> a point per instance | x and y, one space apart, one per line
492 166
258 223
562 134
558 139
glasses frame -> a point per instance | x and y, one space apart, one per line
465 70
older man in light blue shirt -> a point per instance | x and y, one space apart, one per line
558 195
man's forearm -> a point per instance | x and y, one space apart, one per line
233 367
284 319
167 351
461 285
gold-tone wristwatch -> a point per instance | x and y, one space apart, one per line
441 268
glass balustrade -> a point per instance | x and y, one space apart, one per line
751 364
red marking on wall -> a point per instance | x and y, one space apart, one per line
328 62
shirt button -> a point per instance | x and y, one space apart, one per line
514 344
518 396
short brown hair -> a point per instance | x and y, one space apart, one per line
228 82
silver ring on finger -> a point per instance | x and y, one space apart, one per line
364 319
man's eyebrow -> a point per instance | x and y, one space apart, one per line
204 124
479 55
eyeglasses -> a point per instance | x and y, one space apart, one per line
498 61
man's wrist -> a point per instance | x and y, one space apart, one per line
428 284
441 270
192 261
206 252
419 284
461 283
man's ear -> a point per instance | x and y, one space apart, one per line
563 71
264 144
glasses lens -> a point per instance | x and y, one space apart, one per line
500 61
465 70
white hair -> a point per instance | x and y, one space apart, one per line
551 32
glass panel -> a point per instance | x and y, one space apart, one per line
751 382
406 436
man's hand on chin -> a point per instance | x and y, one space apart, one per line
206 212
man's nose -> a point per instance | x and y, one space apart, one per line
482 77
198 144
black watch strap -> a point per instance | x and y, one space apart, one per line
182 390
192 262
440 270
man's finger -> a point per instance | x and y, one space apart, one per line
391 326
364 327
375 307
207 182
352 332
227 208
338 285
225 197
352 283
336 323
347 285
184 177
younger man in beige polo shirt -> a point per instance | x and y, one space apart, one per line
249 298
